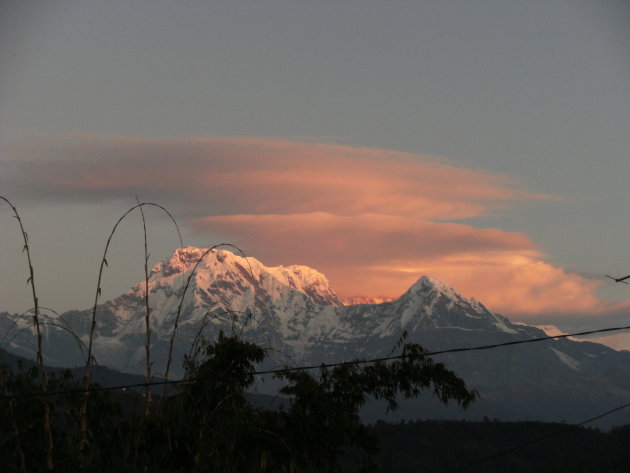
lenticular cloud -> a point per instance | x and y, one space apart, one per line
372 220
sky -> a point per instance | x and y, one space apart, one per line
484 143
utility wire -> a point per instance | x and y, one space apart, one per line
441 352
320 366
537 439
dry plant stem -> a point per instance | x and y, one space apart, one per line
179 311
192 356
14 425
66 327
69 330
14 326
204 322
87 375
43 379
80 343
148 311
18 437
181 303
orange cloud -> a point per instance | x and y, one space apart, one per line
382 255
372 220
364 239
514 283
263 176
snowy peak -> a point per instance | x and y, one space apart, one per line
429 290
428 284
293 311
431 302
309 281
180 261
221 269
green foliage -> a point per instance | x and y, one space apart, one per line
209 425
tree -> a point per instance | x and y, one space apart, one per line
217 429
210 425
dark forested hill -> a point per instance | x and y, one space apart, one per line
499 447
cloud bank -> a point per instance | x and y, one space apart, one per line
372 220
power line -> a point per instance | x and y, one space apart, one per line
442 352
321 365
538 439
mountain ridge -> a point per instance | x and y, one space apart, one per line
294 312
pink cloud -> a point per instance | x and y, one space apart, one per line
382 255
514 283
373 220
356 239
263 176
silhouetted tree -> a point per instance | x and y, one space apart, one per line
209 425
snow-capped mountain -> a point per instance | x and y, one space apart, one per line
618 341
225 291
294 312
366 300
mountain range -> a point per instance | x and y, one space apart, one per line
294 312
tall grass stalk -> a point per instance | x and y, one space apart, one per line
17 436
87 375
147 317
181 303
43 379
15 326
10 412
192 353
194 347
